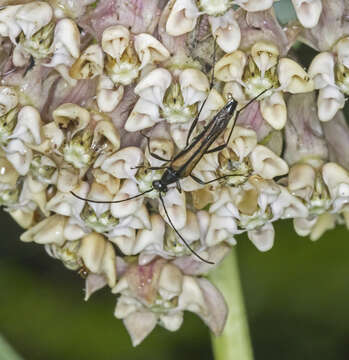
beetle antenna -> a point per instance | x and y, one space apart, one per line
177 232
255 98
110 202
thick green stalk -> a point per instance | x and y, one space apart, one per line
234 343
6 352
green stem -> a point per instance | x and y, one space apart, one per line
6 352
234 343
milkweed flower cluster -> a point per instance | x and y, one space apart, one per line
80 80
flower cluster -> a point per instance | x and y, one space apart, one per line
96 98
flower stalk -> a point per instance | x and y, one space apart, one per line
7 352
234 343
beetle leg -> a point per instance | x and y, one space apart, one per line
150 152
195 121
150 167
201 182
179 188
221 147
30 66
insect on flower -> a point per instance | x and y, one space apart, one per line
185 161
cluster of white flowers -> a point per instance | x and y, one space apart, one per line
80 80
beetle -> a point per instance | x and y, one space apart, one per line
185 161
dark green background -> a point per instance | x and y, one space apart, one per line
296 294
297 298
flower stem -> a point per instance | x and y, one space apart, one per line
234 343
6 352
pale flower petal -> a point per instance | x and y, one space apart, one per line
115 40
304 137
236 91
89 65
182 18
162 147
263 237
231 66
273 109
226 31
144 115
308 11
217 310
288 206
154 85
106 133
125 239
66 48
191 298
108 268
153 237
171 322
265 55
8 24
93 283
243 140
48 231
194 85
149 49
213 7
190 265
31 17
323 223
170 282
301 180
191 229
266 163
9 175
28 125
221 229
19 56
128 207
67 204
67 179
25 219
98 256
19 156
213 104
303 226
139 219
73 231
122 164
337 180
8 99
293 78
99 193
321 70
91 251
175 203
329 101
255 5
341 49
139 325
108 95
71 115
125 305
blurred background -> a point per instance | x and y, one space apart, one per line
297 298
